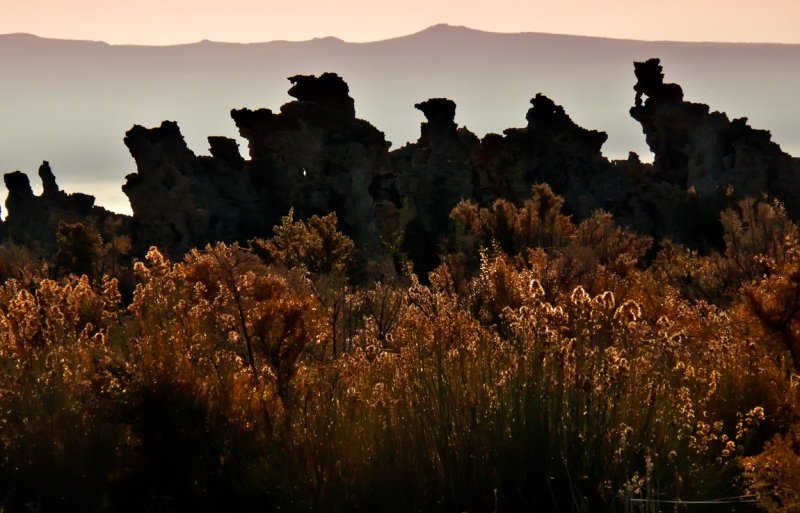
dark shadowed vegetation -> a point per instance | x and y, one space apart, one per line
544 365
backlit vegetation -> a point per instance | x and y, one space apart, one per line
545 365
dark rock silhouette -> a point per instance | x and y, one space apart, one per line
552 149
440 112
316 156
32 220
180 200
434 174
328 90
650 83
718 160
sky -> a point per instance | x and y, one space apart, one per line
163 22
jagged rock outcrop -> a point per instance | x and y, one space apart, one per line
448 164
704 152
180 200
434 174
32 220
551 149
314 156
328 91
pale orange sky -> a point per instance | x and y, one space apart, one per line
183 21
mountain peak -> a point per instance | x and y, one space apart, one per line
445 28
21 36
332 39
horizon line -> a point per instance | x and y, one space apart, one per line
437 26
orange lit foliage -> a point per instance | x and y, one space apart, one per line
537 223
216 343
774 474
595 254
585 402
60 383
548 366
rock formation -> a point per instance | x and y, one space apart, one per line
32 220
316 157
434 174
551 149
704 151
180 200
328 91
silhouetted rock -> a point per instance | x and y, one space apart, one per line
19 187
32 220
226 150
49 187
554 150
650 83
181 201
328 90
434 174
720 161
313 156
316 157
438 110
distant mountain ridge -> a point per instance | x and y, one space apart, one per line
438 28
70 102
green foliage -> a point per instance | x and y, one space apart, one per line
537 223
80 249
315 245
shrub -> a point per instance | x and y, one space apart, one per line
543 366
315 245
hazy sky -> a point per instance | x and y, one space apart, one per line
183 21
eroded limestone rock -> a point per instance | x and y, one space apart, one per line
32 220
316 156
706 152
